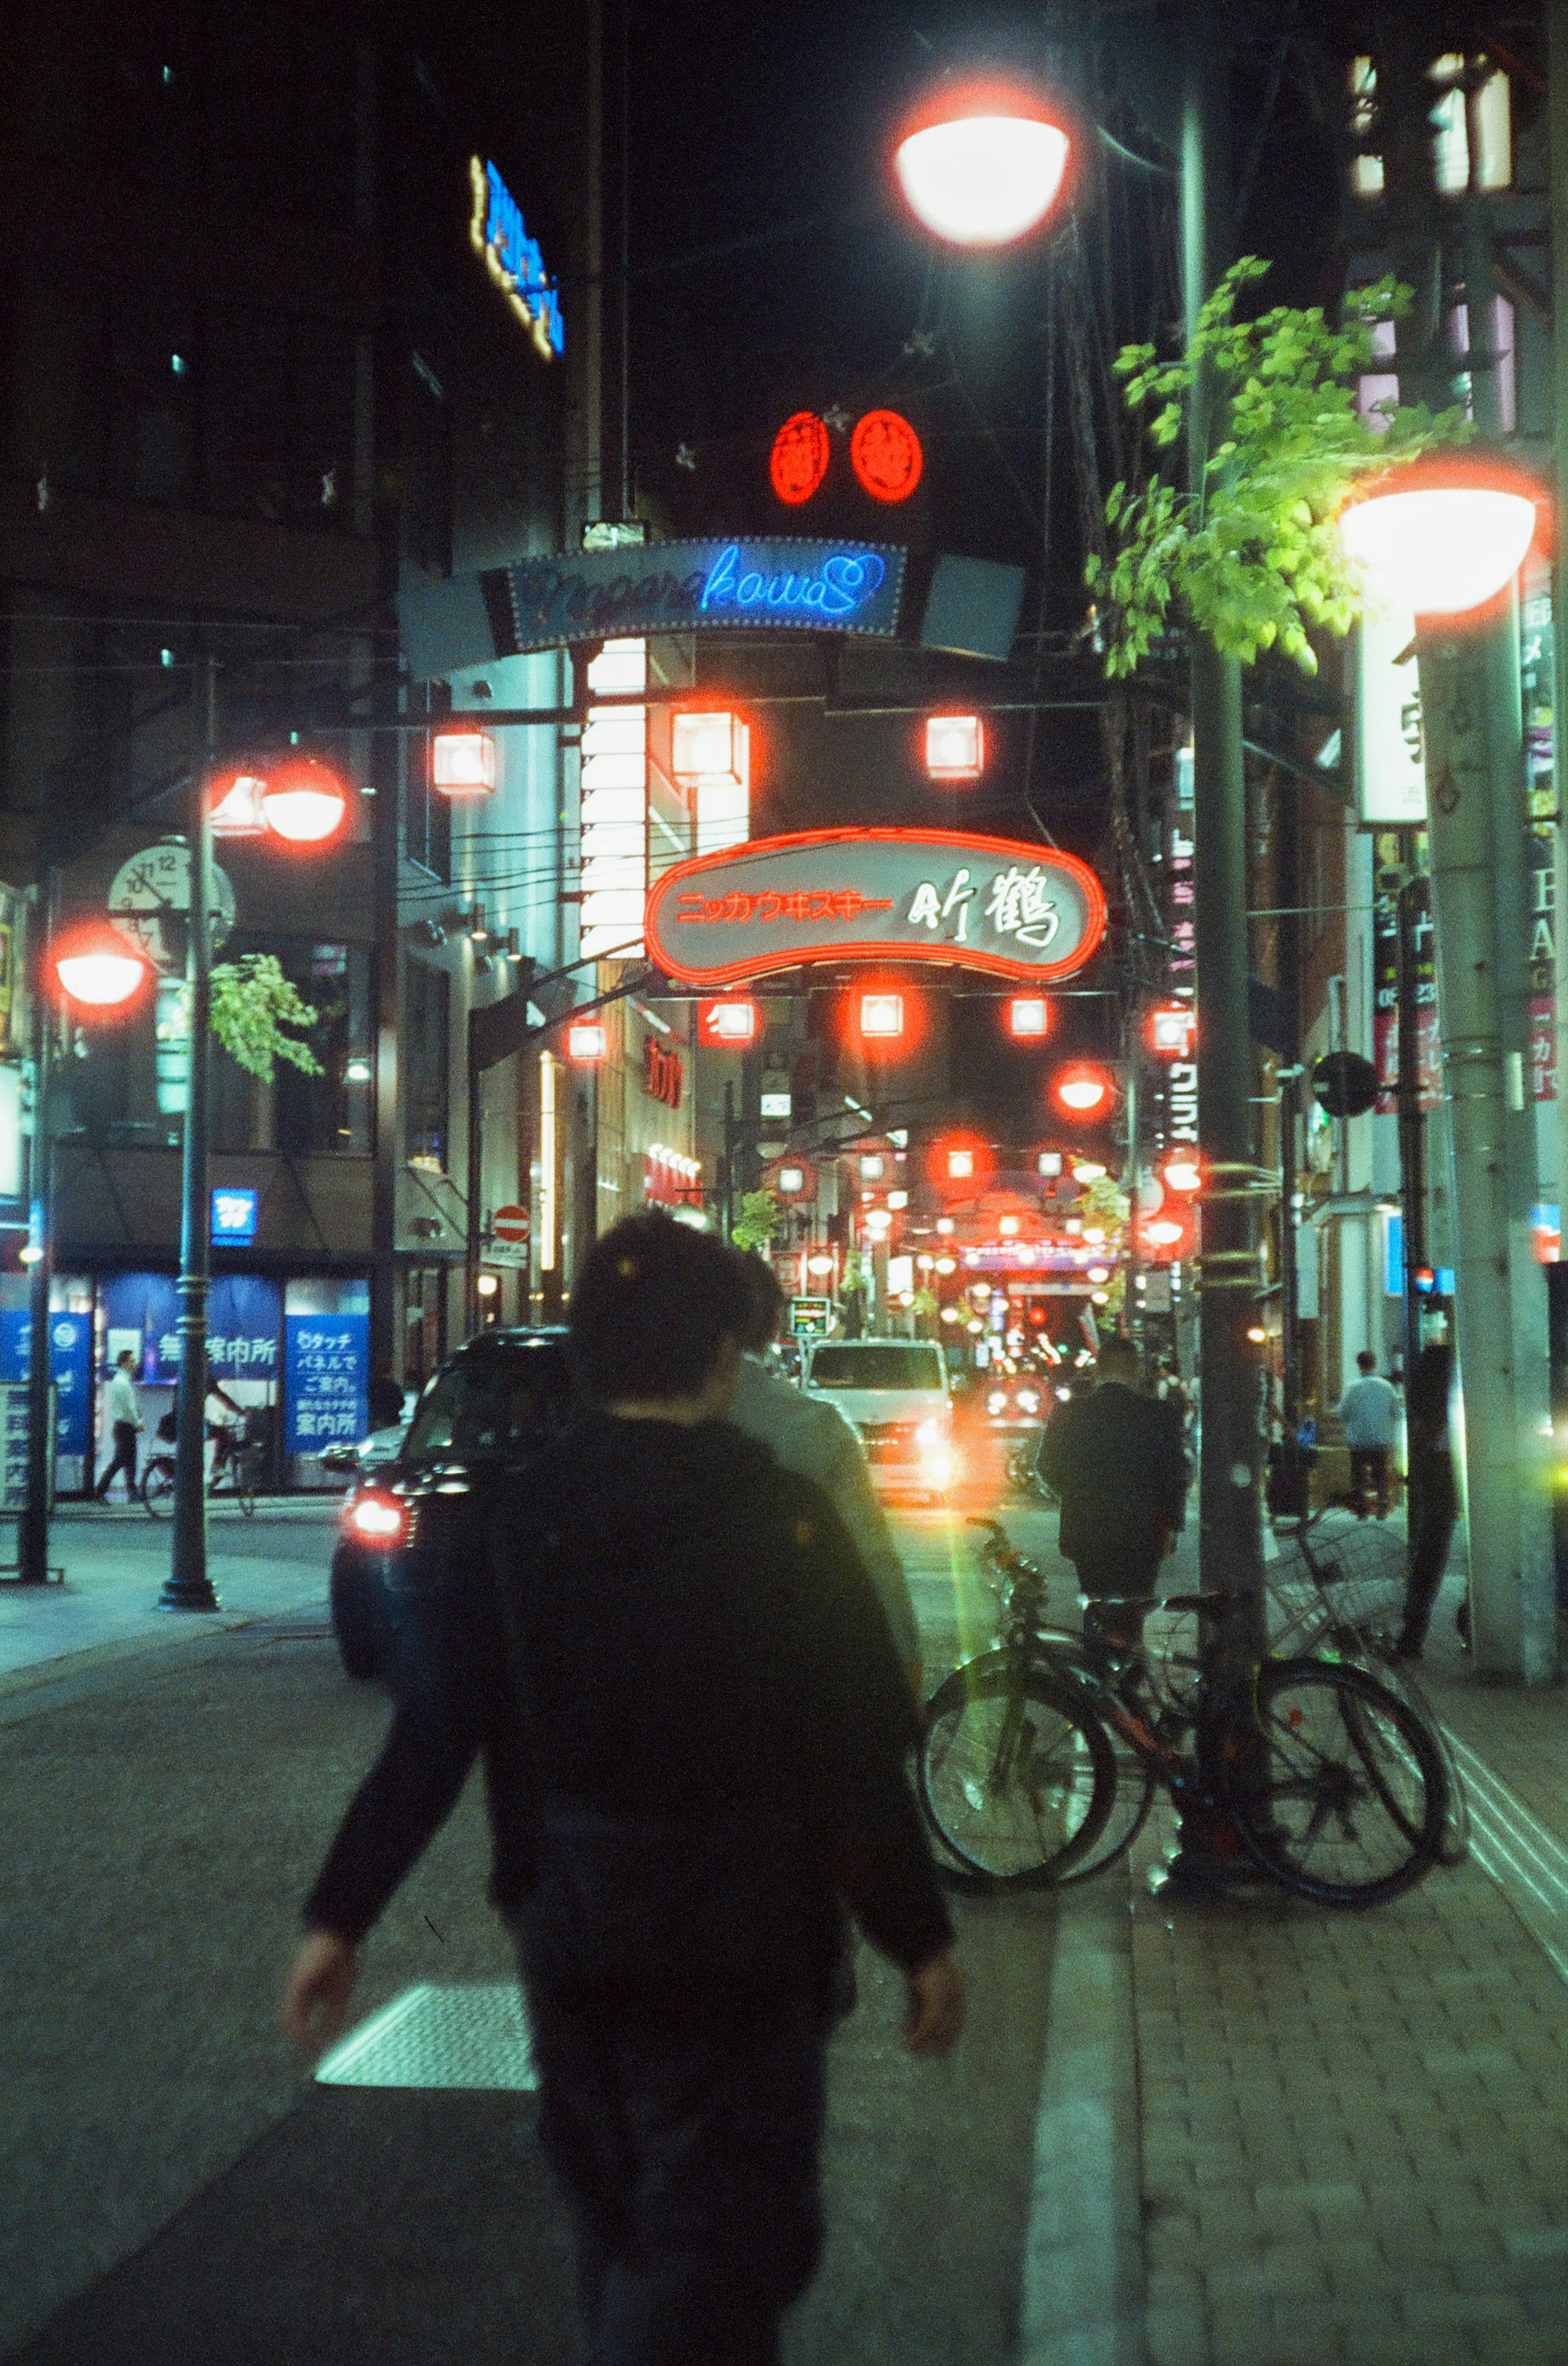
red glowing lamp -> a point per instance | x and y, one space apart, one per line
710 747
1172 1030
798 462
303 803
463 762
587 1041
1184 1174
1028 1017
1442 535
955 747
882 1017
1083 1091
885 455
983 163
98 969
727 1026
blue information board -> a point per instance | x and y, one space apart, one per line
327 1361
244 1318
71 1368
235 1207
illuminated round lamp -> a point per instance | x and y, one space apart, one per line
1163 1233
1257 1333
1099 1298
906 1298
798 462
1007 1226
1184 1174
1082 1090
877 1220
1094 1235
1028 1017
237 805
1440 536
791 1181
950 1315
945 1224
974 1329
488 1284
885 455
1089 1170
303 803
98 969
882 1017
947 1265
819 1265
463 762
983 163
1098 1273
588 1040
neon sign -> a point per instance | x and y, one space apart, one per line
703 586
501 239
798 462
885 454
1015 910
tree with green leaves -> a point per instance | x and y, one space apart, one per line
758 1221
1254 559
259 1016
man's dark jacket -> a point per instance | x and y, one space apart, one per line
693 1722
1117 1461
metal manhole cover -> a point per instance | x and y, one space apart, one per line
471 2036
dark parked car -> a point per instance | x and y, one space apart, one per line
415 1526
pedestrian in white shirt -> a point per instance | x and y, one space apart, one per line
1369 1411
125 1419
819 1442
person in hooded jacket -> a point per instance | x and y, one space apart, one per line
693 1724
1116 1461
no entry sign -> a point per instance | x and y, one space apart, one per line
999 905
509 1236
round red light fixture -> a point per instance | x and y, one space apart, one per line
98 969
885 454
799 459
1083 1091
303 803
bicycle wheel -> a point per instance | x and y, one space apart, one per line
1349 1803
1454 1845
1016 1774
243 1479
157 1486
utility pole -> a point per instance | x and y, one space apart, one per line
188 1586
32 1530
1229 1482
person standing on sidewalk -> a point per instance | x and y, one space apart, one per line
1369 1411
1432 1494
821 1443
1116 1460
693 1725
125 1419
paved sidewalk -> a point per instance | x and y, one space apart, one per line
116 1560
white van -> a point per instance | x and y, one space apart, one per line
895 1392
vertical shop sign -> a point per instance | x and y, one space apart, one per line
1541 806
69 1367
1388 876
326 1363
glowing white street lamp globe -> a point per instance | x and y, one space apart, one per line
98 968
984 163
1440 536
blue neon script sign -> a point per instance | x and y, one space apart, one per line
501 239
715 586
841 585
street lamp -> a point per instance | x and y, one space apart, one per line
98 969
1442 535
983 163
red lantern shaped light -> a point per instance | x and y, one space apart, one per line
799 459
885 454
727 1026
303 803
1083 1091
98 969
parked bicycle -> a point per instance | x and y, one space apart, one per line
233 1477
1040 1762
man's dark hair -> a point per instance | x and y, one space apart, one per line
652 1308
1366 1361
764 1302
1118 1360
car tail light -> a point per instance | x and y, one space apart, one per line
377 1519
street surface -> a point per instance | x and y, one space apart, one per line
1344 2138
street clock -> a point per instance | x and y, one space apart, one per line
153 890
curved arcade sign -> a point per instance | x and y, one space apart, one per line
1016 910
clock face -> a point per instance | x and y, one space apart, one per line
153 888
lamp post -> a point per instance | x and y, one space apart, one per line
1447 536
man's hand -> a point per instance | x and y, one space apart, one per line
315 1997
936 2006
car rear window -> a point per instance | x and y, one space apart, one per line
888 1366
486 1407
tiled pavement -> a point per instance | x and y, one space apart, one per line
1355 2126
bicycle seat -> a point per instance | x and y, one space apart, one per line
1204 1606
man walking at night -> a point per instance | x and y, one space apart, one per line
125 1419
1369 1411
693 1723
1116 1461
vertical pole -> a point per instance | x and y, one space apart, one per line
1132 1313
1557 185
1470 706
473 1230
1230 1493
1412 1132
32 1531
727 1180
188 1588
